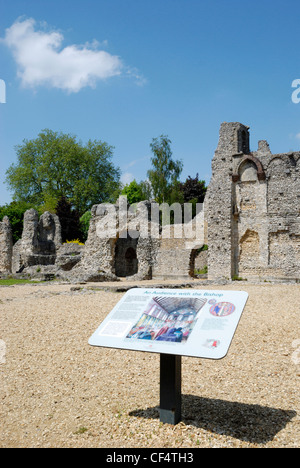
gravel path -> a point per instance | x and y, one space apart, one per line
57 391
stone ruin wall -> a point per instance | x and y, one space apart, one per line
139 248
6 246
117 247
178 249
251 224
40 241
116 244
253 210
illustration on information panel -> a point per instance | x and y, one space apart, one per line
167 319
222 309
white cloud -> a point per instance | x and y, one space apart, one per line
42 60
298 136
136 161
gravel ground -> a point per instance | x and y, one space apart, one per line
57 391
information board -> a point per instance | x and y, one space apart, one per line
196 323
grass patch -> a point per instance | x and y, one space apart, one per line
238 278
201 272
13 281
81 430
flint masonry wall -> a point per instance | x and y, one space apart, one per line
119 242
133 244
6 246
251 223
41 238
178 248
253 210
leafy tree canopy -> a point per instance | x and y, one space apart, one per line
165 172
193 189
56 165
136 192
85 224
15 212
69 220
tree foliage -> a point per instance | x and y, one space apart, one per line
15 212
85 225
55 172
136 192
165 172
69 220
56 165
193 189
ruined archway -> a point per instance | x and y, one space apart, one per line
251 161
126 261
198 262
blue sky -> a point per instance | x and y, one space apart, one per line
126 71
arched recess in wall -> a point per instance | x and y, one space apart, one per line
202 266
125 256
247 167
248 171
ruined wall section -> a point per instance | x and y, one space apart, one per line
283 173
6 246
98 254
250 226
119 242
173 259
178 248
253 210
268 224
233 140
41 239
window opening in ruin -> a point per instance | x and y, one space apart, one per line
244 142
126 261
198 266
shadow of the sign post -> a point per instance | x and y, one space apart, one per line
247 422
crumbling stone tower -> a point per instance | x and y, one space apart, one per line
253 209
234 139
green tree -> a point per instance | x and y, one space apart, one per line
85 225
56 165
136 192
165 173
49 204
15 212
69 220
193 189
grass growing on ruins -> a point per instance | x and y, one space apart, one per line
204 271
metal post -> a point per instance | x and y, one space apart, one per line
170 388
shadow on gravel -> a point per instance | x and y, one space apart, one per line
251 423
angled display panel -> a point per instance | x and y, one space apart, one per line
196 323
